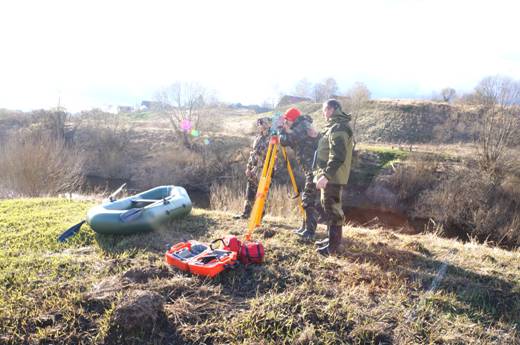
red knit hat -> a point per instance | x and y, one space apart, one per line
292 114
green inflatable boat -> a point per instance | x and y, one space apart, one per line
141 212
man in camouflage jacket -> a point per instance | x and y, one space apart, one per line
299 134
333 162
255 164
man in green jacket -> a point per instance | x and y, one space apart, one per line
333 161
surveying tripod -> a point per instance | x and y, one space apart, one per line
265 182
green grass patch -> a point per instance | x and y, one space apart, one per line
374 292
370 161
32 225
388 156
139 115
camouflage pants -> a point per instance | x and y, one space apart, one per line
330 199
309 203
251 188
309 193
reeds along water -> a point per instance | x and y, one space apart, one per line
230 196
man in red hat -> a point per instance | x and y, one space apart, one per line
299 134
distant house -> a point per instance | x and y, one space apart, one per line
256 108
124 109
154 106
287 100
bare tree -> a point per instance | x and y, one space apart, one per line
185 102
319 92
448 94
357 96
268 104
303 88
331 87
56 123
499 98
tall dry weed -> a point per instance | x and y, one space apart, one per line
230 196
36 165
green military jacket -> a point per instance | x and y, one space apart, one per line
334 154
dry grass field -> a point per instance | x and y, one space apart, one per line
383 287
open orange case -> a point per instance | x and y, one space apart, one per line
199 258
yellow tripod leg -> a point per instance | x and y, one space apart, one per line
263 187
293 181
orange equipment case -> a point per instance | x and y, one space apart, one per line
199 258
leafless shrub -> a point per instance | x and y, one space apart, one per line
448 94
481 200
55 123
11 121
462 199
469 204
107 140
303 88
172 165
184 103
499 98
461 124
415 176
35 165
318 92
324 90
198 167
355 99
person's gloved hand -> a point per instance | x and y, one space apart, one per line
322 182
312 132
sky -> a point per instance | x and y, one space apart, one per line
98 53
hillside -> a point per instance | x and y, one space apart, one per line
386 121
416 122
383 288
397 121
408 121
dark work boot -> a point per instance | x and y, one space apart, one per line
335 235
311 224
335 239
246 213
